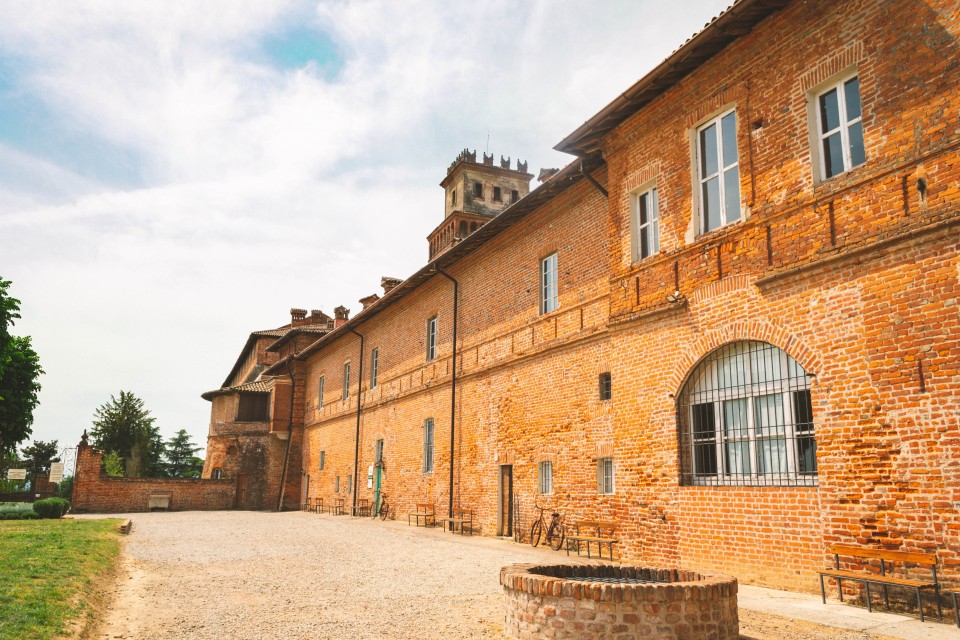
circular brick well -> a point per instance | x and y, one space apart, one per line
605 601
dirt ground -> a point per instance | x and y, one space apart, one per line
298 575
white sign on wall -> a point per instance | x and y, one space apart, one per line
56 471
16 474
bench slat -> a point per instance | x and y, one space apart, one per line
878 579
928 559
592 539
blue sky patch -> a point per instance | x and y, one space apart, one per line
299 46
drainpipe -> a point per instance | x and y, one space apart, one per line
286 454
356 447
453 381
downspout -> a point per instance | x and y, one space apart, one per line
453 382
356 446
286 454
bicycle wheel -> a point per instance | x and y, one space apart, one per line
555 536
535 532
384 510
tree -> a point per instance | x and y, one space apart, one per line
123 425
181 459
19 371
38 456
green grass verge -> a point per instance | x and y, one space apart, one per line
47 568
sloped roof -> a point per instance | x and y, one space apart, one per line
737 20
258 386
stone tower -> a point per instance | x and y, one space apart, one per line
474 193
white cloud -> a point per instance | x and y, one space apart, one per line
262 187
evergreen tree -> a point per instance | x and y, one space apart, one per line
19 371
38 456
181 459
124 426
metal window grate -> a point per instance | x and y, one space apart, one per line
745 418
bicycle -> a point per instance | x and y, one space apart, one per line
554 528
384 509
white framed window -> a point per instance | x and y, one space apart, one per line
323 460
839 127
320 389
346 381
428 445
432 338
374 366
646 224
545 477
746 419
718 172
548 284
605 476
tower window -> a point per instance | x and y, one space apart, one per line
478 190
497 194
453 197
514 196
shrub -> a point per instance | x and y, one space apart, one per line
13 510
51 507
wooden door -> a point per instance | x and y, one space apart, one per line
240 499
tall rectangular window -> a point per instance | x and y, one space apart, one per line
428 445
432 338
840 128
378 451
514 195
647 224
323 459
605 476
350 483
548 284
320 389
478 190
336 485
497 194
545 477
346 381
718 172
606 386
374 366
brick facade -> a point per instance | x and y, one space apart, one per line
855 277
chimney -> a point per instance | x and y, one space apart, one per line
297 317
341 315
389 284
318 317
546 174
369 300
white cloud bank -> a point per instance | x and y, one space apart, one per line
257 187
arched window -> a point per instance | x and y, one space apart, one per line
746 418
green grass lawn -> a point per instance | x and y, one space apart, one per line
47 568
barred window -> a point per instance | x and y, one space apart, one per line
320 389
545 477
746 418
374 366
346 381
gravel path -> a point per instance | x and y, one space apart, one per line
240 574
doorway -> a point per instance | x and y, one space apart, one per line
505 501
240 499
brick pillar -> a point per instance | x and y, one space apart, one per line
89 465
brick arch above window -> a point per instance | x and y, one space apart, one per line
736 331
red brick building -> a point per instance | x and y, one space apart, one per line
730 324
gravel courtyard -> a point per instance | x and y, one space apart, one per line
252 575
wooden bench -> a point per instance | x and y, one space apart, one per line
336 506
425 512
126 526
362 508
605 532
886 558
462 518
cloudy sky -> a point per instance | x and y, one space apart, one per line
174 175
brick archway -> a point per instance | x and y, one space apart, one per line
740 330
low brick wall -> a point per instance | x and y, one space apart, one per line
558 602
94 491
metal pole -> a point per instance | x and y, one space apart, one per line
453 383
356 447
